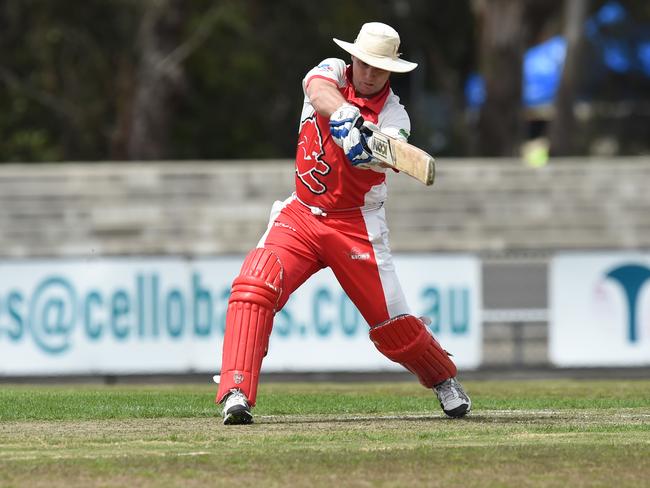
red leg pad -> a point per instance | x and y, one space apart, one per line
249 321
407 341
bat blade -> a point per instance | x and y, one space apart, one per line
403 157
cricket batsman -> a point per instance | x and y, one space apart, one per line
335 219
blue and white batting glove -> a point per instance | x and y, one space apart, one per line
355 145
374 164
342 121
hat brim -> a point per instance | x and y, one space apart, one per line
394 65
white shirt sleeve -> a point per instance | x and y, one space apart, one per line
331 69
393 120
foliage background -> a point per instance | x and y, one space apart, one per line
95 80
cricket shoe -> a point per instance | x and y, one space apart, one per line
236 409
453 399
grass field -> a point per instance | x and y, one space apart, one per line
521 433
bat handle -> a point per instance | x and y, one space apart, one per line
365 131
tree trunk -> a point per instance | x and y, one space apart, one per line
562 130
158 81
502 47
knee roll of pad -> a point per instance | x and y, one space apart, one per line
407 341
260 279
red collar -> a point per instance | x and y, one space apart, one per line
374 103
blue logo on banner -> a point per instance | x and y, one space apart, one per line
631 278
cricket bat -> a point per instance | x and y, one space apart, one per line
403 156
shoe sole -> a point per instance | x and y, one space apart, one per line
238 417
459 411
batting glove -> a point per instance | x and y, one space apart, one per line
342 121
366 141
355 145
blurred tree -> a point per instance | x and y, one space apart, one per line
160 78
57 73
439 35
502 46
562 129
507 29
212 79
245 93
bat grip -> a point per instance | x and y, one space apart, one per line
366 132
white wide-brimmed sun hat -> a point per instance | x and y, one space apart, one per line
377 45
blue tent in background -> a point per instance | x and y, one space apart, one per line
543 71
543 63
541 77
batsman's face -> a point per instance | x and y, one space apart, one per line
367 80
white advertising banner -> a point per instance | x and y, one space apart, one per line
600 310
167 315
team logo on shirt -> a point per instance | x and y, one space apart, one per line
309 162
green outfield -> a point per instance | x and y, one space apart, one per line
521 433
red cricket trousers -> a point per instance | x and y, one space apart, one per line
353 243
